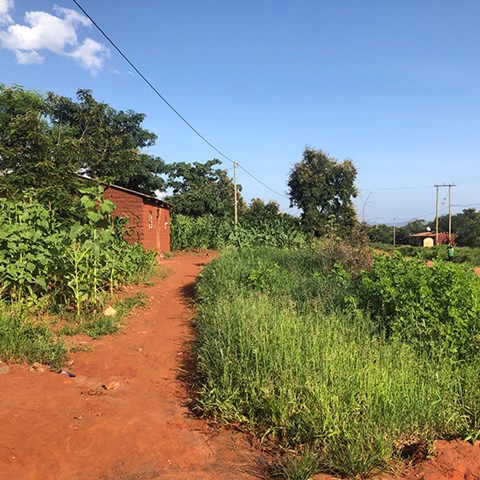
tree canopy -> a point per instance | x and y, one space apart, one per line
323 188
46 139
465 224
200 189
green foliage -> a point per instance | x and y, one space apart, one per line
29 246
259 211
73 263
201 190
465 224
296 466
438 252
323 189
47 139
107 143
380 234
213 233
284 348
198 233
434 308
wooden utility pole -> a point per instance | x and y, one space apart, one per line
235 206
394 226
449 185
450 213
436 217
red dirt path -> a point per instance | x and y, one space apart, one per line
57 428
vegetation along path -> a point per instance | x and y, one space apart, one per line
123 416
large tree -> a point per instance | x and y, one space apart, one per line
323 188
201 189
465 224
30 154
46 139
109 143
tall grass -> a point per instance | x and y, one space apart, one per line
283 349
24 340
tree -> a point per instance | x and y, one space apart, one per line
259 211
30 155
46 140
200 189
465 224
109 143
380 233
323 188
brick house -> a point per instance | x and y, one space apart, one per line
148 217
428 239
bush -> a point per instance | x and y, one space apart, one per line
74 264
434 308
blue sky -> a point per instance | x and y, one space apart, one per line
392 85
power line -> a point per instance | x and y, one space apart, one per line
393 188
169 105
463 181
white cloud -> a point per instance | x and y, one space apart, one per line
58 34
90 55
5 7
24 57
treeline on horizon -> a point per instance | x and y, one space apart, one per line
466 225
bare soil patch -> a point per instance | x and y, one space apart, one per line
125 416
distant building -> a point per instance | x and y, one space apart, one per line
148 217
427 239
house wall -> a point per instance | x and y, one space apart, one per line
156 227
148 223
129 206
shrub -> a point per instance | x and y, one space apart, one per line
434 308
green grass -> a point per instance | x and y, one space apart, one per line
283 350
24 341
99 325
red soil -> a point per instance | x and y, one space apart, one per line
56 427
138 427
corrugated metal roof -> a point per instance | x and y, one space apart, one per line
133 192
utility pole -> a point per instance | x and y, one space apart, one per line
436 217
449 185
235 207
450 213
394 226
